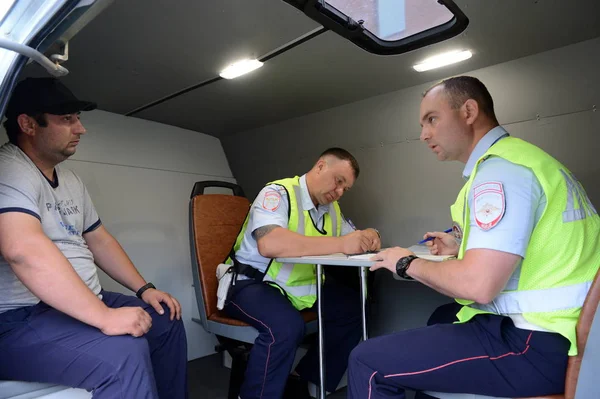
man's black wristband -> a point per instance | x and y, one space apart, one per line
143 289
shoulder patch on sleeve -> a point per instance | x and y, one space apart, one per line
489 203
271 200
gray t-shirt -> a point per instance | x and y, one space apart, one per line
65 210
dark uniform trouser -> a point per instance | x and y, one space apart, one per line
39 343
486 356
281 329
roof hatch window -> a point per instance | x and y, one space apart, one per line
387 26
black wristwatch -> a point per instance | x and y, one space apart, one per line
143 289
402 266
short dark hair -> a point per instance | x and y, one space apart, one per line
343 155
459 89
13 130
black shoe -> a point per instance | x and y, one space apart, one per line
296 388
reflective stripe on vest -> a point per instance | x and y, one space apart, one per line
333 216
533 301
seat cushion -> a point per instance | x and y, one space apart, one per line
307 315
445 395
27 390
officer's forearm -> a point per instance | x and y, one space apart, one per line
283 242
443 277
479 277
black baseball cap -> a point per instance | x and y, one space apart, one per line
44 95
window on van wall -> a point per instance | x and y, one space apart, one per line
27 22
20 21
387 26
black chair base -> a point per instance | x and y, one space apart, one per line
239 352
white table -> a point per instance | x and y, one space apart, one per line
345 260
333 260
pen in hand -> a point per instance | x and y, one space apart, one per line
431 238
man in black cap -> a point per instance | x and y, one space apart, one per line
57 324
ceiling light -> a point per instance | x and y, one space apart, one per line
443 60
240 68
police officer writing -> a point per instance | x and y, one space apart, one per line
527 251
296 217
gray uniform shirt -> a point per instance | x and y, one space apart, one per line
64 209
